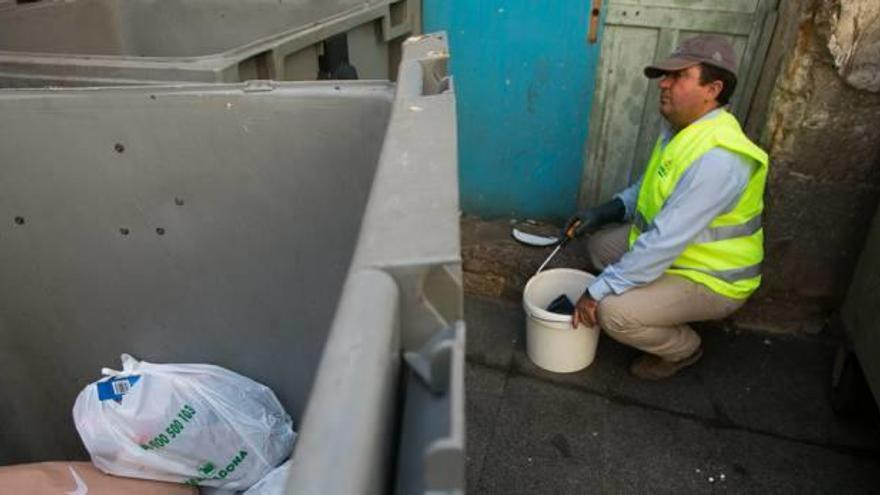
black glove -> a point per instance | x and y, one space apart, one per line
594 218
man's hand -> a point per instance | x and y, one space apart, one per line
584 311
586 220
594 218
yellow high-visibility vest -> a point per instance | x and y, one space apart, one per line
727 255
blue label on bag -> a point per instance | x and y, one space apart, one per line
116 388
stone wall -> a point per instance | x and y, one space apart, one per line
822 130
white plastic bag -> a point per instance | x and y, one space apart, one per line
274 483
191 423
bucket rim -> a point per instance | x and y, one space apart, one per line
541 313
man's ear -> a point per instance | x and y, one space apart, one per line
715 88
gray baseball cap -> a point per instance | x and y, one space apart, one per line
702 49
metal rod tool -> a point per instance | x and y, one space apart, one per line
569 235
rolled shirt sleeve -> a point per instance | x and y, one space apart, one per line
630 197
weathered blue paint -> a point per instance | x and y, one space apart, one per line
524 76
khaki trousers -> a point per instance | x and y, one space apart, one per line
654 317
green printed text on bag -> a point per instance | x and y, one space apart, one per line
174 429
208 468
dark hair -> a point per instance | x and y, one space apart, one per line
711 73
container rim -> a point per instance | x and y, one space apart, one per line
541 313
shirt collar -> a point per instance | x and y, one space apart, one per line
666 131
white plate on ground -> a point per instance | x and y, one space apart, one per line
533 239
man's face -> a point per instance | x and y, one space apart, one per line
682 99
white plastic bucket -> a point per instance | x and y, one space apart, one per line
551 343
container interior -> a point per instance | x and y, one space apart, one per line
210 224
156 28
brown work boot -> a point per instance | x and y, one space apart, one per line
651 367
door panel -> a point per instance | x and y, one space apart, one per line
524 77
747 6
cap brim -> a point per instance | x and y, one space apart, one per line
669 65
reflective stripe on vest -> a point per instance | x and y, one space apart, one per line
730 276
642 224
709 234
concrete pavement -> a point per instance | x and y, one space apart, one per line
751 417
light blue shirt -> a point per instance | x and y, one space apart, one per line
709 187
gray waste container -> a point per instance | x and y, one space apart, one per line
860 315
303 234
113 42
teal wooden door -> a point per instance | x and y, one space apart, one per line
524 77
